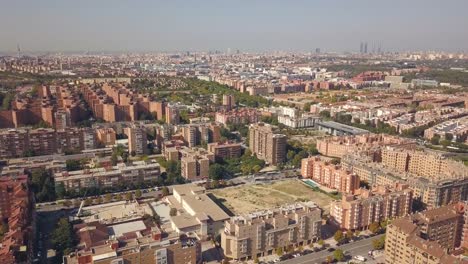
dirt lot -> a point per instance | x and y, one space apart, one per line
248 198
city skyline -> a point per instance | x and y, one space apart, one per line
157 26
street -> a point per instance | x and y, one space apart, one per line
361 247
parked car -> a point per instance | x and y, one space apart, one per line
360 258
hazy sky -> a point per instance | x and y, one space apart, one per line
153 25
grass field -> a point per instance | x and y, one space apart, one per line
248 198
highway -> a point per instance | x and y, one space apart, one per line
361 247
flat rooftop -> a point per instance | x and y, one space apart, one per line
343 127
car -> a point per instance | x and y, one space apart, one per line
331 249
307 251
359 257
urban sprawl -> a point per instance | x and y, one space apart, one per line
234 157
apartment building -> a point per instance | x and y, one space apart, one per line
172 114
266 144
260 233
195 163
453 130
229 101
368 144
200 133
16 210
240 116
426 237
137 140
62 119
422 162
226 150
106 136
357 212
433 192
44 141
121 174
306 120
329 175
140 244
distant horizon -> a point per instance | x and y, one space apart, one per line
233 52
157 26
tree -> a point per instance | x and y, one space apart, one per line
449 136
108 197
349 234
88 202
378 243
129 196
338 255
62 237
98 200
374 227
256 260
279 251
256 168
214 184
119 197
73 165
216 171
384 223
138 194
165 191
173 212
4 228
321 243
60 190
325 114
339 237
445 143
114 159
42 185
435 140
329 259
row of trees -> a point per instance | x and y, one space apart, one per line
202 87
296 151
63 238
227 168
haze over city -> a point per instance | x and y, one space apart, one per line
203 25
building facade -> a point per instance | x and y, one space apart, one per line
357 212
225 150
329 175
266 144
260 233
426 237
109 177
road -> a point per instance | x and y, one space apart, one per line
56 206
150 192
361 247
